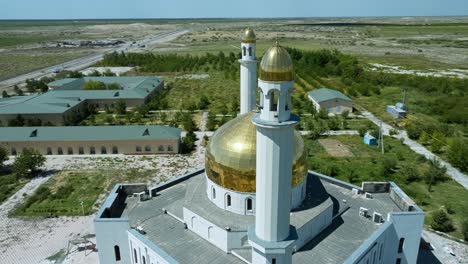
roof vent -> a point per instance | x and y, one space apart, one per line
116 94
33 133
369 195
377 218
146 132
364 212
68 105
140 230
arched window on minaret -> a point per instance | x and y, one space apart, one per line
274 97
244 50
250 51
261 99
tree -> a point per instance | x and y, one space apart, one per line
108 72
75 74
410 174
188 142
211 122
437 142
114 86
345 114
204 102
5 94
388 165
28 162
434 174
3 155
441 221
457 153
121 107
18 91
94 85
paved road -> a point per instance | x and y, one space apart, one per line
418 148
80 63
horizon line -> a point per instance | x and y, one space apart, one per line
228 18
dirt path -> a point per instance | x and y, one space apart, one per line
457 175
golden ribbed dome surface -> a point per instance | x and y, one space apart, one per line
276 65
249 36
230 159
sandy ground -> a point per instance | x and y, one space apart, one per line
33 241
459 73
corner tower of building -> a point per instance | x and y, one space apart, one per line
272 237
248 78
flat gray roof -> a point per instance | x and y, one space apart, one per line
333 245
87 133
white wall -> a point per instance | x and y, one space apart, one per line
110 233
207 230
142 250
239 199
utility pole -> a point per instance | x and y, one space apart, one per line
381 137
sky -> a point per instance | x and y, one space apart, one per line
102 9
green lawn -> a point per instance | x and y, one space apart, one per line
368 166
9 185
63 193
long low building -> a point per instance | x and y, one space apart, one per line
91 140
68 98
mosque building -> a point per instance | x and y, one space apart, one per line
255 201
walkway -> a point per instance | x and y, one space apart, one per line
418 148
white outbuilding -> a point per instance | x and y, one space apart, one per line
331 100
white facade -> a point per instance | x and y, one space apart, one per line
248 78
335 106
275 138
238 202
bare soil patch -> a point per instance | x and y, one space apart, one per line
335 148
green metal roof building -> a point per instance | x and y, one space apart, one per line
70 140
331 100
67 96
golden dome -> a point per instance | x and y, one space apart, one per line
276 65
249 36
231 154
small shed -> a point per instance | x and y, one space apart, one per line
370 140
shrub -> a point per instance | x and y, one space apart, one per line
465 229
441 221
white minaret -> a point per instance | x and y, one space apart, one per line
248 72
272 237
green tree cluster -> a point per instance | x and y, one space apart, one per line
27 163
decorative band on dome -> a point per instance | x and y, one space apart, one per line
276 76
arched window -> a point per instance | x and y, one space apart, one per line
103 150
147 148
115 150
249 204
117 253
92 150
144 260
136 255
228 200
70 151
213 192
161 148
80 150
210 232
274 100
60 151
244 50
261 99
250 51
49 151
401 244
13 151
